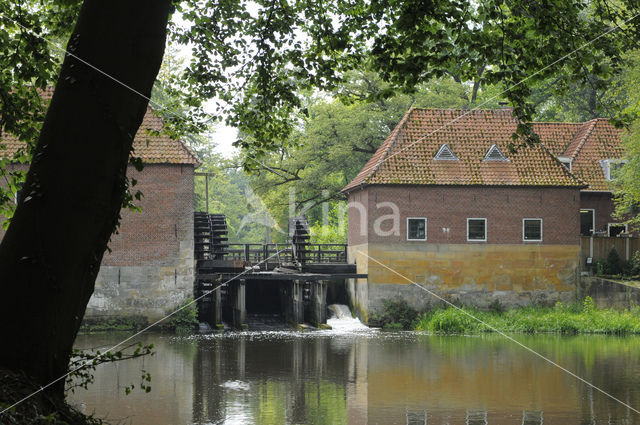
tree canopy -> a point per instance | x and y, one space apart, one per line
258 59
338 134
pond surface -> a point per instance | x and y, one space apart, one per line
368 377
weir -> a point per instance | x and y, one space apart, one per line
288 280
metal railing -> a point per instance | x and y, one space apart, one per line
314 253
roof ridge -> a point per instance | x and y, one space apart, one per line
177 139
592 125
463 110
561 122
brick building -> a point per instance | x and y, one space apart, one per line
151 266
591 151
445 203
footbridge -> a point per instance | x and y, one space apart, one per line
288 281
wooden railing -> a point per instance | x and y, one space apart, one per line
598 247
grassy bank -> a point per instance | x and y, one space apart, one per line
574 319
180 319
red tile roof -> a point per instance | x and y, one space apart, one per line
556 136
160 149
596 140
406 156
153 149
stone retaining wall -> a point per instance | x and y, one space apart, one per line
607 293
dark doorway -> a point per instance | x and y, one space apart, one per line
337 292
586 222
264 302
263 297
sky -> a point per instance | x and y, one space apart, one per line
223 137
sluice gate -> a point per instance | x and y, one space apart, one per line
289 280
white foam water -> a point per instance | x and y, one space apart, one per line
236 385
342 320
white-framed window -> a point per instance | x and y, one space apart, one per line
587 221
476 229
566 161
614 229
532 229
611 167
416 229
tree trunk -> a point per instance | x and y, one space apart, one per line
51 253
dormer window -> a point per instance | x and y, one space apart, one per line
445 154
495 154
611 167
566 161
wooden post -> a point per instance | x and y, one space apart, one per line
628 251
206 189
319 302
265 255
215 318
294 311
239 303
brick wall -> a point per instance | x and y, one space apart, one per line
602 203
449 207
473 273
357 217
151 267
153 236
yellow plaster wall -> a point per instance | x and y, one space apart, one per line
476 267
358 288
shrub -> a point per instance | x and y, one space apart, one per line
451 321
634 264
614 262
186 319
397 314
600 267
496 306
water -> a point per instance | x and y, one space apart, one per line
368 377
341 320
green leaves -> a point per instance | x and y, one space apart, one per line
259 60
84 362
28 64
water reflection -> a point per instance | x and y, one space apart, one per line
274 379
371 378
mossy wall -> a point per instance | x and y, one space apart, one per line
471 274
